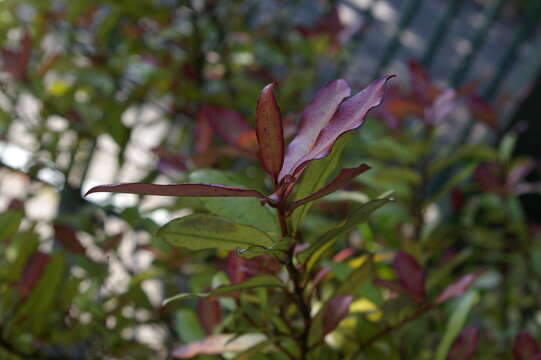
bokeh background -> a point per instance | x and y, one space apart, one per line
96 92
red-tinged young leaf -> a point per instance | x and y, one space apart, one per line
315 117
410 275
441 108
33 270
335 311
343 254
525 347
202 133
321 274
209 313
343 178
349 116
482 110
422 86
270 132
68 238
465 344
186 189
457 288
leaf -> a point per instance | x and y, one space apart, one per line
209 313
251 283
33 271
335 311
314 178
186 189
458 318
205 231
231 126
465 344
245 211
9 223
457 288
343 178
218 344
441 108
317 114
410 275
68 238
188 326
311 255
349 116
270 132
525 347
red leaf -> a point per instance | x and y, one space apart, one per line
231 127
349 116
482 110
68 238
113 242
32 272
441 108
169 161
344 177
186 189
202 133
410 275
209 313
315 117
270 132
465 344
422 86
335 311
457 288
525 347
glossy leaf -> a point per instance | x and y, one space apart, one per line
186 189
410 275
310 256
456 323
465 345
317 114
525 347
218 344
343 178
335 311
252 283
314 178
457 288
270 132
241 210
205 231
349 116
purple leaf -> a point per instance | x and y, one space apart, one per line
525 347
270 132
410 275
344 177
457 288
315 117
465 344
349 116
68 238
441 108
33 270
186 189
335 311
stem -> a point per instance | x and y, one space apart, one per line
390 328
298 289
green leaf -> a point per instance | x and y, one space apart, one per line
9 223
205 231
360 215
456 323
315 178
246 211
188 326
279 249
254 282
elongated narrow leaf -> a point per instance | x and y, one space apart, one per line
465 344
314 178
186 189
315 117
270 132
204 231
456 323
411 275
525 347
311 255
343 178
218 344
349 116
254 282
335 311
457 288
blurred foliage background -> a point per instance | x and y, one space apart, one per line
164 91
